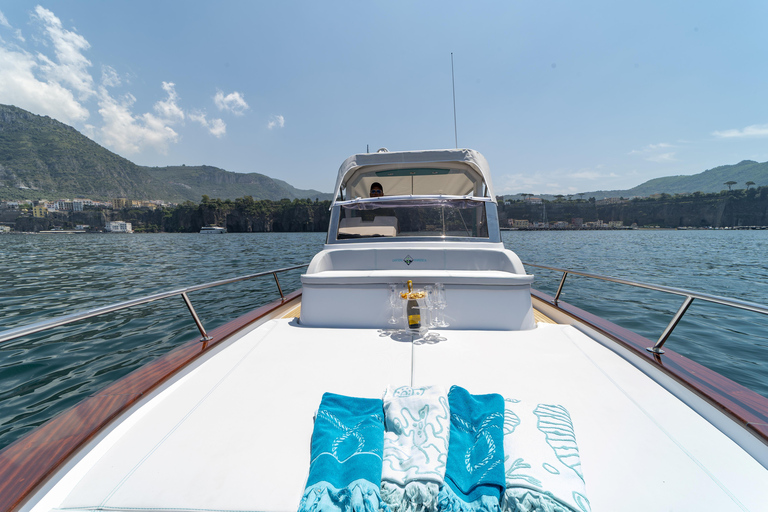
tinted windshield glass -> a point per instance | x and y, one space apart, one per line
428 218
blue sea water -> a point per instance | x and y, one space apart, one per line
44 276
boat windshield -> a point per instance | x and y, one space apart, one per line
412 217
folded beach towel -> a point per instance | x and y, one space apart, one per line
417 428
542 465
474 476
346 456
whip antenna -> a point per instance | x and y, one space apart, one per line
453 82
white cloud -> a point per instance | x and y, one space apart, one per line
216 127
232 102
57 81
169 109
755 130
109 77
132 134
19 86
71 66
276 122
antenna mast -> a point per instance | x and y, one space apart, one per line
455 130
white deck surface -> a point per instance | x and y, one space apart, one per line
234 435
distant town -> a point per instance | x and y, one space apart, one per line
728 209
61 210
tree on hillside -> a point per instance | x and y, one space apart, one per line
730 184
749 183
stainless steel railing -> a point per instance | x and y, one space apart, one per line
688 294
45 325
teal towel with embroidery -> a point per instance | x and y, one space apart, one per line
346 456
474 475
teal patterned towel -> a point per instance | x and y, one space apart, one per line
346 456
474 477
542 465
415 447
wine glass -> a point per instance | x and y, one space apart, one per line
440 303
429 301
394 302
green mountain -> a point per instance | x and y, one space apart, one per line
196 181
712 180
43 158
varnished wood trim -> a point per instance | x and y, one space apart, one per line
29 461
743 405
540 317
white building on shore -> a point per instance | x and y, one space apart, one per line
118 226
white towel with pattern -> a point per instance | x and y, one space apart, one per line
417 429
541 460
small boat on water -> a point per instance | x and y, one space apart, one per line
212 230
416 369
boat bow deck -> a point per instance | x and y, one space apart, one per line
234 434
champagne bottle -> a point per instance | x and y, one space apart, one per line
414 314
412 310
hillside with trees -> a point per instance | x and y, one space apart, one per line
735 208
744 175
41 158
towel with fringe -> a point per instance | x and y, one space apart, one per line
474 476
542 464
346 456
417 428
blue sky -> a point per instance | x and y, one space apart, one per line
561 97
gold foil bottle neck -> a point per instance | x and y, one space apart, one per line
410 294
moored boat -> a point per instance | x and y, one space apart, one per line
212 230
412 291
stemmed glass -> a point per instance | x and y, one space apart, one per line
440 304
394 302
429 301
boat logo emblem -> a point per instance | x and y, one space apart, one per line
408 260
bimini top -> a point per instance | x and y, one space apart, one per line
451 172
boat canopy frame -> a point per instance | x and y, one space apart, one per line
455 171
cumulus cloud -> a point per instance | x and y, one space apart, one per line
215 127
131 133
19 86
57 80
169 109
70 67
232 102
755 130
276 122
